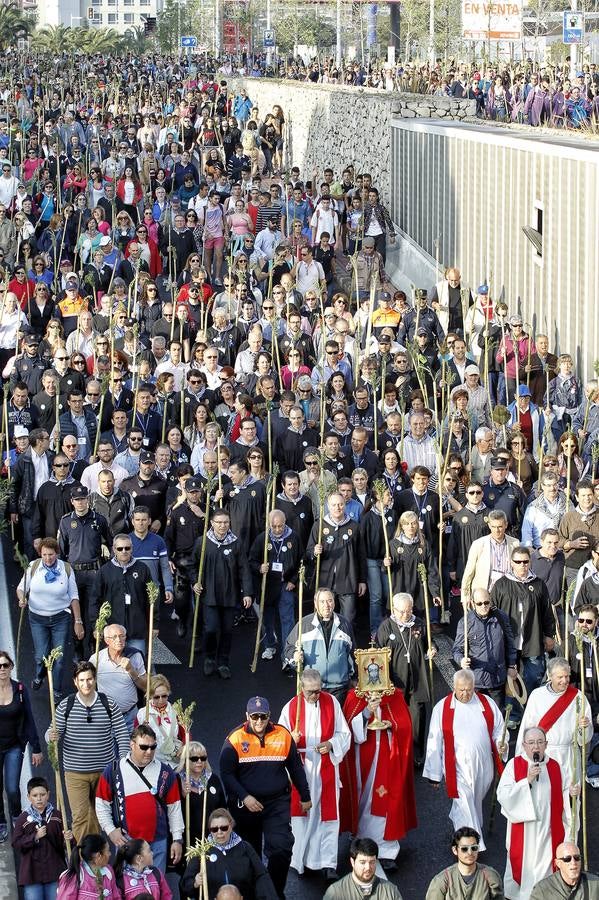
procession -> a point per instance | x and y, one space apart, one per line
302 568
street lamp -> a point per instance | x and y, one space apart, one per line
79 18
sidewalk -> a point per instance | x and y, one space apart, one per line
8 878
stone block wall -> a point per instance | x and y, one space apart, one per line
330 125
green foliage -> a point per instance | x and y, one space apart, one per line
60 38
14 25
309 28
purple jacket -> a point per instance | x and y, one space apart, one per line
537 106
41 862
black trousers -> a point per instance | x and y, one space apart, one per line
85 581
186 575
418 715
272 827
218 633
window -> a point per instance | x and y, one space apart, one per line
98 19
113 18
129 18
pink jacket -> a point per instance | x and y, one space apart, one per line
86 888
154 883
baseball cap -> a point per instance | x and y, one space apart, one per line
79 492
422 330
20 431
498 463
104 241
420 293
257 705
31 339
524 391
483 289
146 456
516 320
193 484
368 242
472 370
386 296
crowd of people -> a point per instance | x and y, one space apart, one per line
216 402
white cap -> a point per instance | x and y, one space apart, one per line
20 431
104 241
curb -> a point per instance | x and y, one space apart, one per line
8 877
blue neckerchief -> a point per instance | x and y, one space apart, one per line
40 818
51 574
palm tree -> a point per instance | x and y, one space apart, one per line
136 41
14 25
53 39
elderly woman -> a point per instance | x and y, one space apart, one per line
163 719
202 784
409 549
231 861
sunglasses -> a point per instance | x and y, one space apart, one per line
574 856
260 717
483 603
473 493
66 466
122 549
6 665
198 758
470 848
145 748
216 828
586 621
521 562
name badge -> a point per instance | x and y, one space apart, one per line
520 607
82 441
420 524
277 567
127 599
589 672
146 442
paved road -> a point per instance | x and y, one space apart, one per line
220 707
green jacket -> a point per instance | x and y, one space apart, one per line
449 884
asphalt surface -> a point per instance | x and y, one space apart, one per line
220 707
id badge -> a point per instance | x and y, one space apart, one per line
146 442
420 524
589 672
277 567
82 441
127 599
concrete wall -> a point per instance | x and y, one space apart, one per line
463 195
330 125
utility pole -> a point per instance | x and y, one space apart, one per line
338 53
431 32
573 49
268 28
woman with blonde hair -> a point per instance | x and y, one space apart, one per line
170 735
408 550
202 781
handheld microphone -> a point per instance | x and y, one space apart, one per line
536 758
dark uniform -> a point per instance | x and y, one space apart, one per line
262 767
509 498
45 407
116 509
80 539
26 417
29 369
283 555
126 589
409 671
52 503
426 507
405 559
150 493
342 564
298 515
290 447
183 529
466 527
246 505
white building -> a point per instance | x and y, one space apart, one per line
118 14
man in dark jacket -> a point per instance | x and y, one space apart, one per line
226 581
123 582
29 366
491 650
53 500
31 471
292 443
297 507
184 528
81 423
116 506
283 558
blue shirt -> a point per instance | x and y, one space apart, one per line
152 551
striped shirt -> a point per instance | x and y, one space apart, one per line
87 742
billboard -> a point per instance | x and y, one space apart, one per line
483 21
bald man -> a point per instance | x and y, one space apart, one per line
569 880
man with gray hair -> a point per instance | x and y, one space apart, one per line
464 747
481 455
120 672
489 556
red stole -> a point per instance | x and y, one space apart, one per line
557 809
328 796
451 778
561 704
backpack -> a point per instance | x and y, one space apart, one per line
71 702
37 563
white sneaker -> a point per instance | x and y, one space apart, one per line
269 653
593 781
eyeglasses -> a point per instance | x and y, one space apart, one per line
483 603
216 828
521 562
469 848
66 466
147 748
198 758
6 665
586 621
574 856
122 549
259 717
311 462
78 362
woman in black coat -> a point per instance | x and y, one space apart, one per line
202 782
230 861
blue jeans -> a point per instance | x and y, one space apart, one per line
286 610
159 851
40 891
378 591
593 767
11 762
139 644
49 632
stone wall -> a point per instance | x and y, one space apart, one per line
329 125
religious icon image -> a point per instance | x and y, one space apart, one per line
372 666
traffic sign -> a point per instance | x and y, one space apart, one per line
188 40
573 27
269 38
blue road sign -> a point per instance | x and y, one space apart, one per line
188 40
269 38
573 27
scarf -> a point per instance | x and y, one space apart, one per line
198 783
136 877
585 515
402 625
228 538
280 538
559 507
328 519
406 540
232 842
40 818
51 573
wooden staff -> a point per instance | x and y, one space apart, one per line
153 593
506 718
24 564
266 546
465 609
196 608
583 752
422 573
104 385
53 754
567 600
185 720
104 614
575 749
568 474
380 486
299 669
321 503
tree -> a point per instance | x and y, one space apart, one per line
307 29
136 41
14 25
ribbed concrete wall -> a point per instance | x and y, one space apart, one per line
463 194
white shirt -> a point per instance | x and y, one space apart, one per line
42 470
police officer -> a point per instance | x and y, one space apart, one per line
257 762
183 528
148 489
83 537
499 493
29 366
